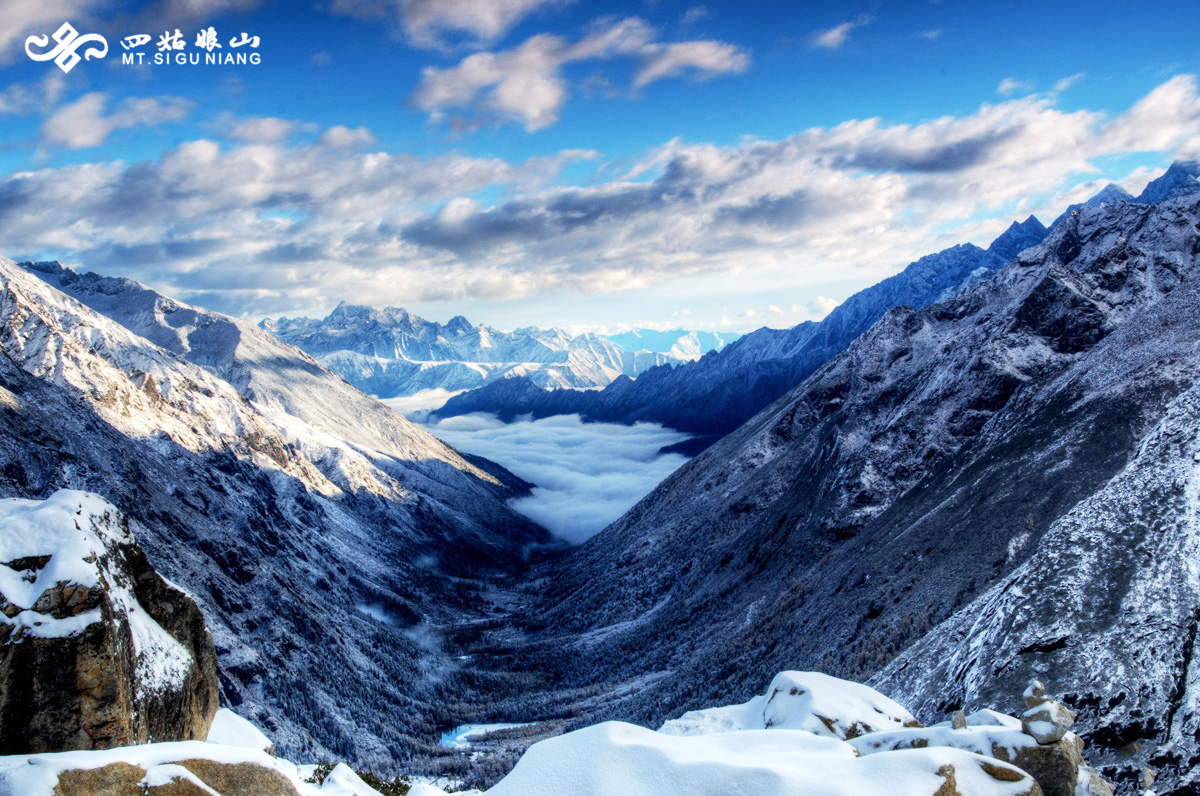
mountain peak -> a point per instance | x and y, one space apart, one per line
1178 180
459 325
1019 236
1111 194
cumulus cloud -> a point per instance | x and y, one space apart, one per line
526 84
821 306
341 137
85 123
271 227
439 23
587 474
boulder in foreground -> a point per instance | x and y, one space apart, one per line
96 649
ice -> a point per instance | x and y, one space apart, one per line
460 737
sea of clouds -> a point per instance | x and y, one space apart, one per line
587 474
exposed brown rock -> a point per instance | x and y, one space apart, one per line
240 779
84 689
227 779
1055 766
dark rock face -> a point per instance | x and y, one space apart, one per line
106 653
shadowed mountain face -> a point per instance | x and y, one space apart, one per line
949 455
321 533
725 388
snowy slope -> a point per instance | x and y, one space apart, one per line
284 505
1107 604
921 467
389 352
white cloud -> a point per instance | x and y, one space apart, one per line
23 18
695 14
1066 82
264 129
587 474
852 201
23 99
836 37
341 137
1010 85
83 123
526 84
438 23
930 35
703 58
821 306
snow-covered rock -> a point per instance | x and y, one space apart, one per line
618 759
169 769
809 701
230 729
96 649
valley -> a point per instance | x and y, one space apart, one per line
986 486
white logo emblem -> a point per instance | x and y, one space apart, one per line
69 41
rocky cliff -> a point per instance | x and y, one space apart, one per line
96 649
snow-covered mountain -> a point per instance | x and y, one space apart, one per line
322 534
725 388
679 343
1181 179
391 353
1003 479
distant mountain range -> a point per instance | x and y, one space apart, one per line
679 343
722 390
391 353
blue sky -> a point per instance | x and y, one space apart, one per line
586 164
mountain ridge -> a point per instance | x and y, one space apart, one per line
390 352
321 562
928 462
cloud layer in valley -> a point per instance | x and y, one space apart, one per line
587 474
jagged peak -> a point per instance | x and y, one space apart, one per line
1110 194
1178 180
1019 236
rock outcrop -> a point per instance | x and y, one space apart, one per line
96 649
